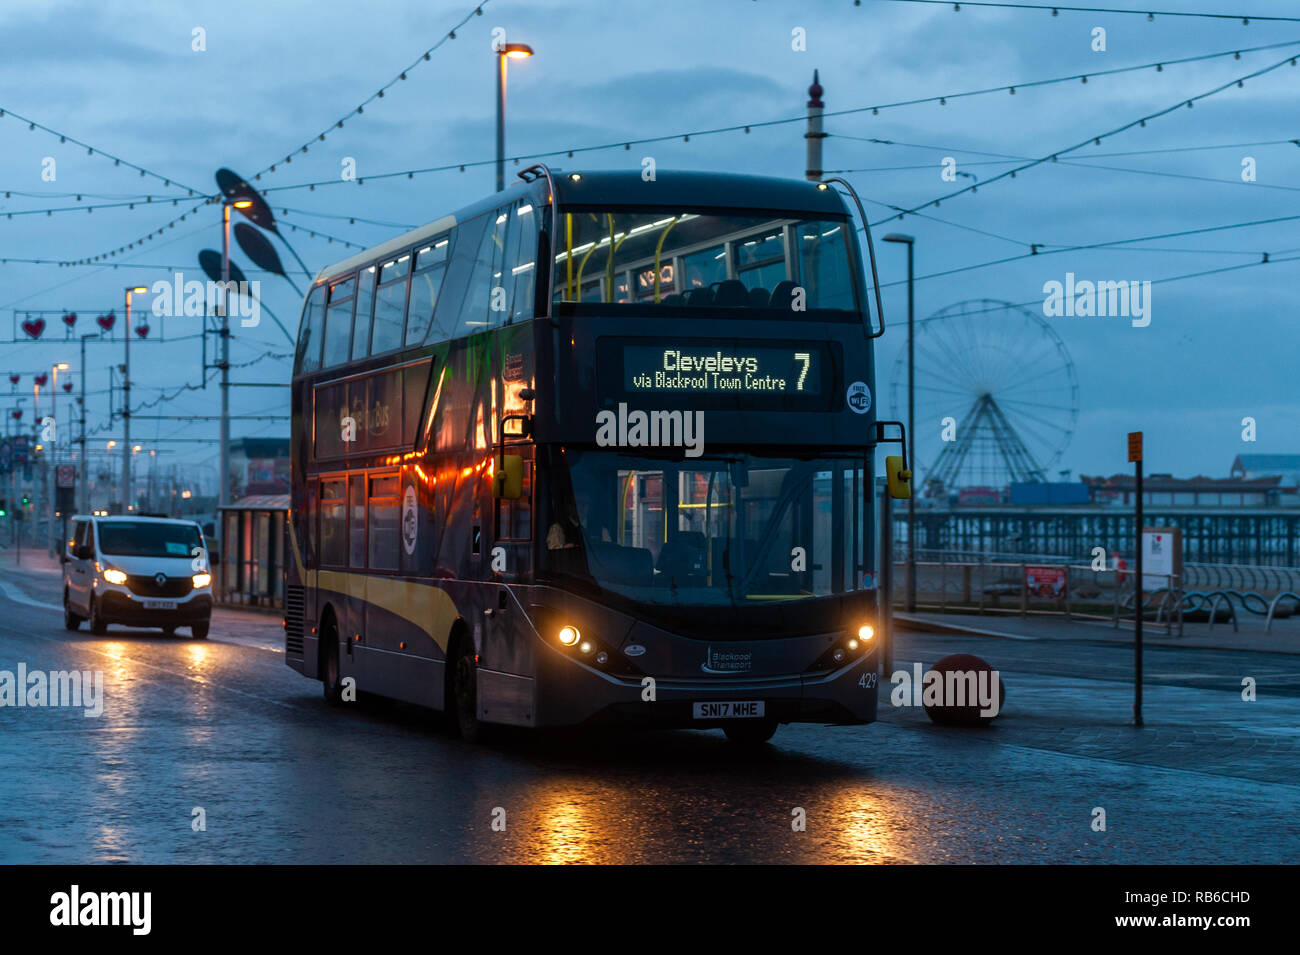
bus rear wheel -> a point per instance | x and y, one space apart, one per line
332 682
750 732
464 691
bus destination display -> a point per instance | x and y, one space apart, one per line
722 369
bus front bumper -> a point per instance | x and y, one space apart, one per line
591 697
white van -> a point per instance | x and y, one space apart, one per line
139 572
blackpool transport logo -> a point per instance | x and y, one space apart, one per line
408 519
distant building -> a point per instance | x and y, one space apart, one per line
1286 466
259 466
1165 490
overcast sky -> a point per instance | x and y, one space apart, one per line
125 79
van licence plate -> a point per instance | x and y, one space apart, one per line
729 710
160 605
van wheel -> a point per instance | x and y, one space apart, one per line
198 630
71 621
330 679
750 732
97 624
464 687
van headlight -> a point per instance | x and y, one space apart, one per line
202 580
114 576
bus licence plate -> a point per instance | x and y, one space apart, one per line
160 605
729 710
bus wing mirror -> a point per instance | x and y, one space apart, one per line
900 479
508 479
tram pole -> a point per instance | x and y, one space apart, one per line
1135 456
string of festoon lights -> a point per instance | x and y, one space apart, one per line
571 151
320 137
1057 8
360 108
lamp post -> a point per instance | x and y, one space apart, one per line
54 457
910 241
81 439
126 399
505 51
223 489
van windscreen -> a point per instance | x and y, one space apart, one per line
147 539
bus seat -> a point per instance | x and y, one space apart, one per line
699 296
619 564
782 295
675 299
682 557
731 294
759 297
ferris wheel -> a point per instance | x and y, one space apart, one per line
996 397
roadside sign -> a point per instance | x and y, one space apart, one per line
66 477
20 449
1134 446
1045 581
1162 557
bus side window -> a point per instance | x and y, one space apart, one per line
486 285
390 305
333 523
338 323
430 263
361 324
522 261
357 521
309 331
515 518
385 530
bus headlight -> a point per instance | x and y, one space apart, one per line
569 636
114 576
866 633
202 580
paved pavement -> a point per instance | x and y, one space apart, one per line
224 726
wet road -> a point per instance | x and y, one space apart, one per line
224 726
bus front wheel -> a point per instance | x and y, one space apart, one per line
464 688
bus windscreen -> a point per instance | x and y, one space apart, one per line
704 260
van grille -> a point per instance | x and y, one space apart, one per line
293 608
145 585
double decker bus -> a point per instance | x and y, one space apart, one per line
594 450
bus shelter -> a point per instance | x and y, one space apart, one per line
251 560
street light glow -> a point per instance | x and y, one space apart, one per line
517 51
244 204
62 366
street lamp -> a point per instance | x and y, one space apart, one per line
126 397
223 490
54 457
81 440
909 241
506 51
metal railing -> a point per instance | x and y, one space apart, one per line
998 584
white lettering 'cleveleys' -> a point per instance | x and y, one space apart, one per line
74 907
55 688
1086 299
651 429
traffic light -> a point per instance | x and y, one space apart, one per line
4 507
26 500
